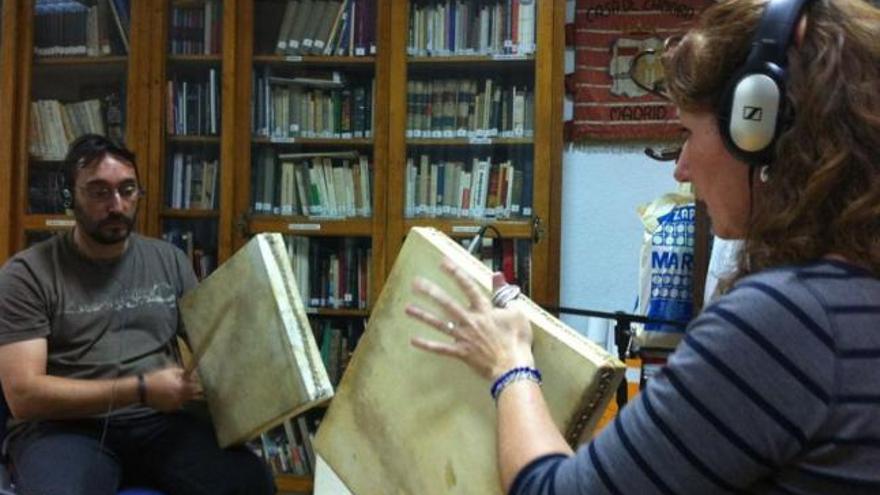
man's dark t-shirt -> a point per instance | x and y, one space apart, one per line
101 319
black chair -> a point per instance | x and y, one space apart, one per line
5 477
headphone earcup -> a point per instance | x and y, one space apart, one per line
66 198
750 110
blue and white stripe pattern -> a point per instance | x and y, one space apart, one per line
775 389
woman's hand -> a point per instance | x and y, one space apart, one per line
490 340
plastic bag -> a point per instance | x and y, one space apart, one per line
666 269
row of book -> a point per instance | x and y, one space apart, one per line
331 272
327 27
324 106
193 106
196 30
192 181
55 124
472 27
451 189
196 245
288 449
457 108
326 185
68 28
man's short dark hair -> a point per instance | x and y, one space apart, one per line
90 148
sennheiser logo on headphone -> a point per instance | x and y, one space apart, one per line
753 113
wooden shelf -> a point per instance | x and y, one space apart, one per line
67 72
211 59
40 161
483 61
309 226
187 3
48 222
312 60
296 141
190 139
292 483
489 141
509 229
193 213
341 312
80 61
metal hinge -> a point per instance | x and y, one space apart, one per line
537 229
241 225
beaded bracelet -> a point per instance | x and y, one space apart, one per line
514 375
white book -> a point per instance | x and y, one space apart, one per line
286 207
365 186
351 209
339 192
526 27
432 190
409 207
424 177
465 189
447 427
187 182
330 184
249 330
177 181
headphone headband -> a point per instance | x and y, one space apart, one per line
775 31
753 102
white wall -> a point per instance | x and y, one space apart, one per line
601 230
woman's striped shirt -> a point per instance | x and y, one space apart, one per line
775 389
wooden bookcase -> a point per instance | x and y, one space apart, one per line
8 120
241 56
540 72
116 75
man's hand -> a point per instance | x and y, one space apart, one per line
169 388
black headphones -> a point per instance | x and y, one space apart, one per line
752 106
66 194
66 198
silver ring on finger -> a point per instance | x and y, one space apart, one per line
505 295
450 326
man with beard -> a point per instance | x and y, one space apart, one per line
88 356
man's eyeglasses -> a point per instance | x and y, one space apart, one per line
103 193
657 87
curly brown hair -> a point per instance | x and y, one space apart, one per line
823 195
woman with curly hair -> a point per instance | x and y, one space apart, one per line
776 386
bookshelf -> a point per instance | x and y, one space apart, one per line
344 108
85 80
8 45
189 190
471 80
313 142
